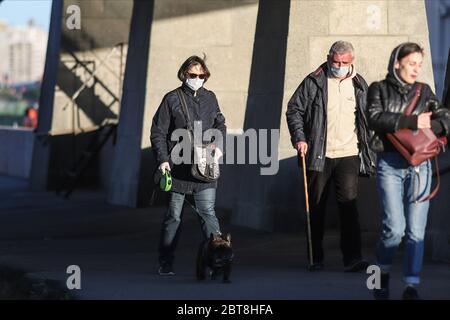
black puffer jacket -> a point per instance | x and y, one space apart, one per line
169 117
387 102
306 117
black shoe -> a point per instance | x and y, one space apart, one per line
383 292
317 266
357 265
166 270
410 293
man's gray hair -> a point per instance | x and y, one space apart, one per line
341 47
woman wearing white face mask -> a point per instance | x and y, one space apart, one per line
203 107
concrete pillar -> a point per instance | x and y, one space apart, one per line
41 150
438 13
256 201
440 218
124 184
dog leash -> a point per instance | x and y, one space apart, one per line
191 205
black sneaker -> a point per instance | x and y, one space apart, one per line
166 270
357 265
317 266
410 293
383 292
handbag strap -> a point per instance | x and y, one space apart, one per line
408 111
438 184
413 103
185 111
185 108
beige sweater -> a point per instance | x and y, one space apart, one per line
342 140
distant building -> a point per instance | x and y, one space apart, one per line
23 51
3 53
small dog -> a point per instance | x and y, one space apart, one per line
217 255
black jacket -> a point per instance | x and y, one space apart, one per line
169 117
387 102
307 120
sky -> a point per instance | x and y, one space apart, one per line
19 12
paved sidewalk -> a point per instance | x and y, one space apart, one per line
115 248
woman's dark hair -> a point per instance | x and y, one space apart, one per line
408 48
190 62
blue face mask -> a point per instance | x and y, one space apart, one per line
340 72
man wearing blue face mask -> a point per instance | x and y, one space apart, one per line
326 118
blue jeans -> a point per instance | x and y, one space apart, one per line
399 185
204 202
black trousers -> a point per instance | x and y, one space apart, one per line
344 174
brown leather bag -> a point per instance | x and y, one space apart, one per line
417 146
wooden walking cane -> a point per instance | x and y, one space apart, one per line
308 221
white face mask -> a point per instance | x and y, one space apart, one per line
340 72
195 83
